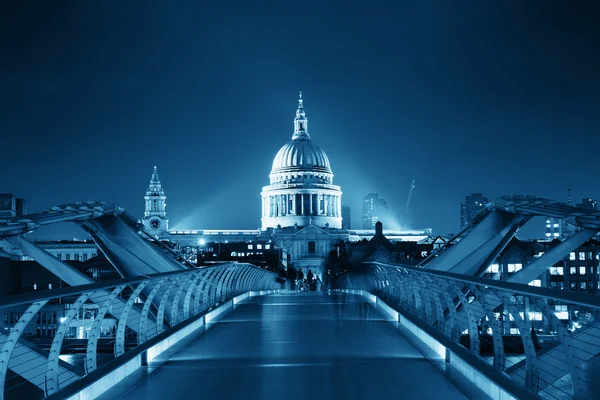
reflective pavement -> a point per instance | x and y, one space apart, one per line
300 346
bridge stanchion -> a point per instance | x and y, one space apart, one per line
200 297
532 377
142 331
122 326
188 295
174 314
499 355
579 386
12 339
160 316
474 344
92 343
51 378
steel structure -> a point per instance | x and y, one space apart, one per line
180 296
450 306
473 250
160 290
120 237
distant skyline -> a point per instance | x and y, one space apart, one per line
492 98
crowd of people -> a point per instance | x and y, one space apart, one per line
302 283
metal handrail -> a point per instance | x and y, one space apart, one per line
52 294
583 299
166 302
546 340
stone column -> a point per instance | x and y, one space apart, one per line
302 204
333 210
310 204
293 211
284 204
280 205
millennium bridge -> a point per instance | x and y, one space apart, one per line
432 331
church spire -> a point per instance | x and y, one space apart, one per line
154 180
300 122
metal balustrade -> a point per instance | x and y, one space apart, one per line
57 337
546 341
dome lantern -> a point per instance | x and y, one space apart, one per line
300 122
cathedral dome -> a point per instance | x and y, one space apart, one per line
301 154
301 192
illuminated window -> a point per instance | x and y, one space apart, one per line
258 246
582 271
561 311
250 247
573 285
514 331
34 286
536 282
49 285
573 270
514 267
572 256
494 268
583 285
555 225
267 246
557 271
582 255
535 316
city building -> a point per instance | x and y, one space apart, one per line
19 277
155 211
301 214
346 217
470 207
374 210
576 272
11 206
588 204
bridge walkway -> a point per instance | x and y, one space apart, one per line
299 346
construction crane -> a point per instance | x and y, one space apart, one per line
412 186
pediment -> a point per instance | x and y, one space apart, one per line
311 230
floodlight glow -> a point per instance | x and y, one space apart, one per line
202 242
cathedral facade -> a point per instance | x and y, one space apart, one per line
301 208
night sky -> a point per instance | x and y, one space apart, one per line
492 97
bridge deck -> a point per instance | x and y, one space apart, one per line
299 346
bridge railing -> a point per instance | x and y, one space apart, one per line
545 340
53 338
